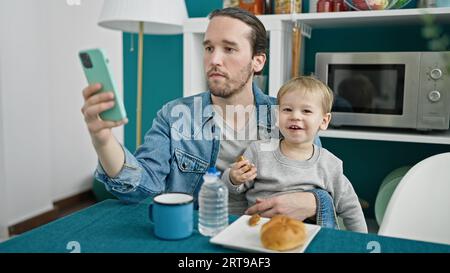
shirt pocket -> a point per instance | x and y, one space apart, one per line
188 163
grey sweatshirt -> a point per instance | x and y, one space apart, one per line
277 174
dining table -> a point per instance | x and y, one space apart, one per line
112 226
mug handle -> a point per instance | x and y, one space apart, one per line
150 213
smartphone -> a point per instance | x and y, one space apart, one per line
96 69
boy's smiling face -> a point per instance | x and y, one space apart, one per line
301 116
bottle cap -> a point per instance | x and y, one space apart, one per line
213 171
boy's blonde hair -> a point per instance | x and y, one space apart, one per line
308 84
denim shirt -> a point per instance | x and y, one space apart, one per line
180 146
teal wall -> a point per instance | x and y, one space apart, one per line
366 163
162 73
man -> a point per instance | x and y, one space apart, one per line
177 151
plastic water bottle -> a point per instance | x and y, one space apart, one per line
213 204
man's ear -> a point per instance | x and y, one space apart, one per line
258 62
325 121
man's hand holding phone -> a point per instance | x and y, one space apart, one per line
96 102
103 108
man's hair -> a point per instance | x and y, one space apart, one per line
258 38
308 84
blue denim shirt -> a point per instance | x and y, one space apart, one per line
174 157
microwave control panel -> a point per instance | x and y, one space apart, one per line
434 97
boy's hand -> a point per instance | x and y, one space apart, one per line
242 171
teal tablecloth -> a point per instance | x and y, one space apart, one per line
111 226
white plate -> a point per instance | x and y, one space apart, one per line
239 235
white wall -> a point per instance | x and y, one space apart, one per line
75 28
25 106
47 153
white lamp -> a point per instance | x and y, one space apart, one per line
143 16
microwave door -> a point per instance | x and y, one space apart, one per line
388 89
375 89
369 95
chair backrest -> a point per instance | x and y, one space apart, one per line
419 208
387 188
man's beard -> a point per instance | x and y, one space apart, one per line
230 86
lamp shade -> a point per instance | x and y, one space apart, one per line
159 16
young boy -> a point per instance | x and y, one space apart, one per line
294 163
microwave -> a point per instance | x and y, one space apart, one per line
388 89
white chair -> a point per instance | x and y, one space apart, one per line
419 209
